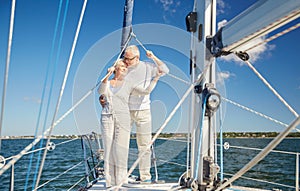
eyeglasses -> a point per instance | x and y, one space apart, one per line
130 59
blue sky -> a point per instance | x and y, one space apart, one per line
32 40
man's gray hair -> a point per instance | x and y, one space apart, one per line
134 49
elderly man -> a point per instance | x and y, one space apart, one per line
139 105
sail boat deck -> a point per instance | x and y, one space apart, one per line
100 185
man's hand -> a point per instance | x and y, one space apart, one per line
102 100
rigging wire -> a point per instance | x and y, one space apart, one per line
51 86
62 89
44 90
257 113
271 88
11 30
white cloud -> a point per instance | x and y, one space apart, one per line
170 7
220 6
223 75
32 99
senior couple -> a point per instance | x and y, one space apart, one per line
125 99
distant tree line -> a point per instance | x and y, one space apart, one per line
256 134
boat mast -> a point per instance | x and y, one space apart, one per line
201 22
127 24
206 45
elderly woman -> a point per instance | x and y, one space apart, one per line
115 119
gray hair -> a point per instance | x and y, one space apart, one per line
134 49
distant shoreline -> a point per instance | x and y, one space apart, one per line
178 135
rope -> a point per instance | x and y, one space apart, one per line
139 42
262 154
179 79
200 141
271 88
221 147
275 36
171 75
119 56
62 89
11 29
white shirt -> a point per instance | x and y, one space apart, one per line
141 75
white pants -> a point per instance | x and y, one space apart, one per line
115 137
142 120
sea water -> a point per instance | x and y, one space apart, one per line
171 157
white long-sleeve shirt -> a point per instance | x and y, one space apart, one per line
117 99
141 75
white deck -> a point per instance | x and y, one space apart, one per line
101 185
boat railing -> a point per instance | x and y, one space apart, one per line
295 154
74 166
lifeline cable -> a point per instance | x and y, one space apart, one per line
262 154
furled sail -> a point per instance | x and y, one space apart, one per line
127 23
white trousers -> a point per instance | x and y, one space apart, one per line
142 120
115 137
